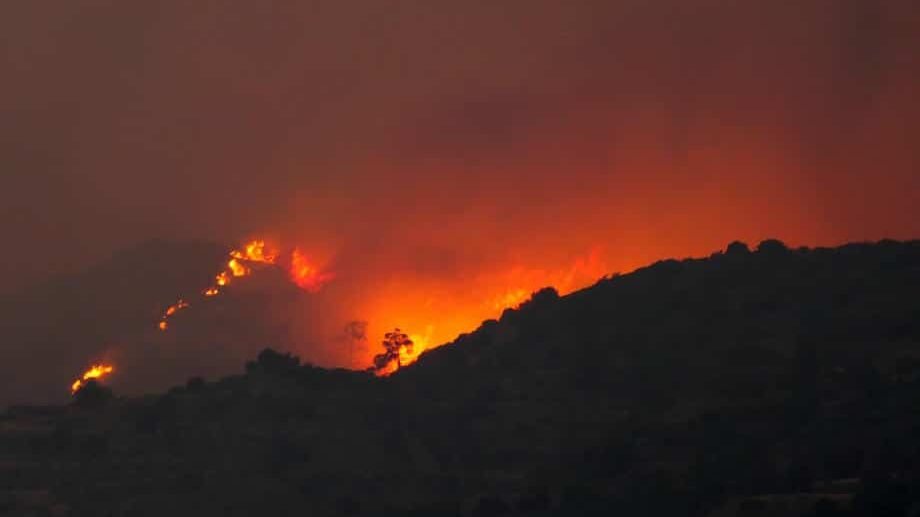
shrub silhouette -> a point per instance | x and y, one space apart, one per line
92 395
772 247
272 362
543 298
737 249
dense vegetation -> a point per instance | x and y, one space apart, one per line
772 382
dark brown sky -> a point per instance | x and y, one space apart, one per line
463 129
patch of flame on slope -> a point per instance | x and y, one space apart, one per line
97 371
170 311
240 264
409 355
445 315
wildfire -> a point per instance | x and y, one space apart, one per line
97 371
444 312
244 261
419 344
241 263
170 311
438 308
255 252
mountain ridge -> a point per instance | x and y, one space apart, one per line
715 386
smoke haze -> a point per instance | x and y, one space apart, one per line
440 156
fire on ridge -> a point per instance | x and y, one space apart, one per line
243 262
432 321
97 371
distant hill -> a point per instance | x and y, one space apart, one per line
750 383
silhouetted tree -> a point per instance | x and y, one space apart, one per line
393 343
539 299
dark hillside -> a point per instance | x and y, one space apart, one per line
772 382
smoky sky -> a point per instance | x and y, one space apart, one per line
463 132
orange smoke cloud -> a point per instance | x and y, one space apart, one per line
306 275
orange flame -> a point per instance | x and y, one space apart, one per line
420 343
255 252
237 267
444 313
306 275
97 371
409 354
176 308
170 311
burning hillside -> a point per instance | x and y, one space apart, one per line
243 263
433 310
97 371
568 406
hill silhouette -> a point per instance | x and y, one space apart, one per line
749 383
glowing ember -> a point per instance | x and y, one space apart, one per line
170 311
176 308
306 275
97 371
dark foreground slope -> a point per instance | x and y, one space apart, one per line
780 382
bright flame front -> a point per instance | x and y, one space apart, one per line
243 262
97 371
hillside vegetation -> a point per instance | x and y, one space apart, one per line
750 383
